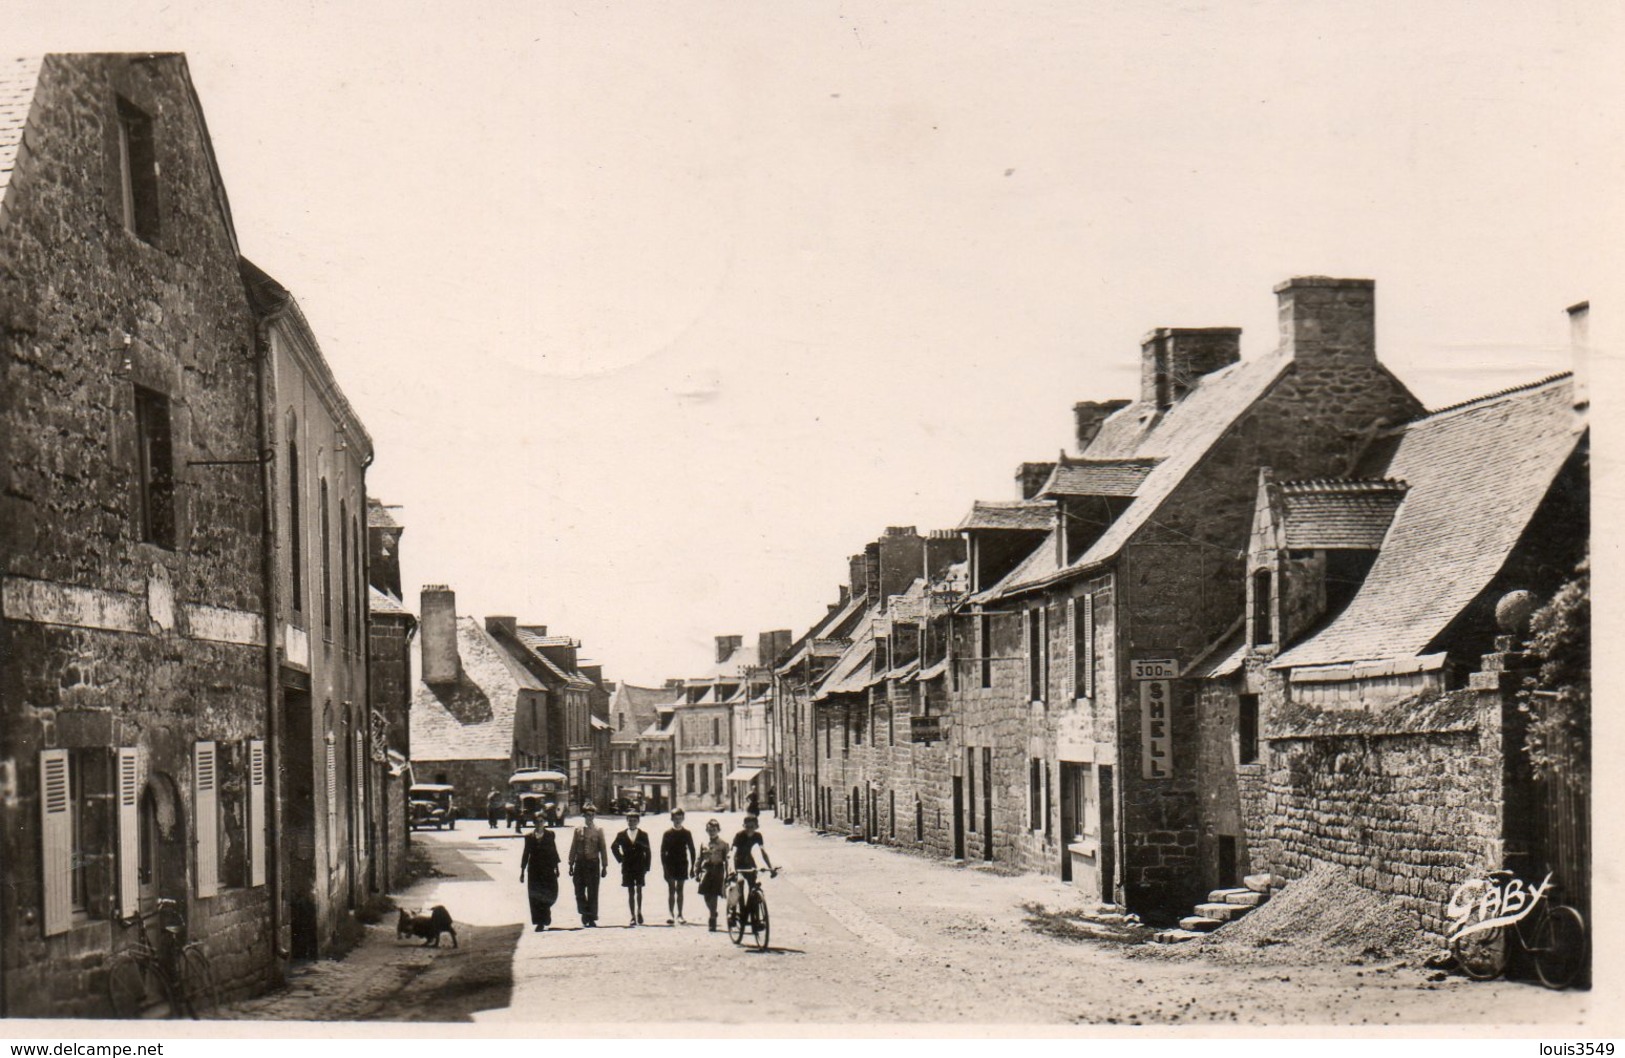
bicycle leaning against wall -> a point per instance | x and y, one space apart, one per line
1490 914
174 972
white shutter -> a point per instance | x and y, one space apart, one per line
256 812
206 807
56 831
332 798
129 830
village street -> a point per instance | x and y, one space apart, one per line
860 935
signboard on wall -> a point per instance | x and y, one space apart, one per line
925 729
1156 741
1153 669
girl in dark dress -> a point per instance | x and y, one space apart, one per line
677 859
631 848
541 859
712 868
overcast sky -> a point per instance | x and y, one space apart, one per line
657 311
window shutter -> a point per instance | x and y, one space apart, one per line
256 812
1083 647
56 829
206 806
129 830
332 799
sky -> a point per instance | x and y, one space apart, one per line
656 312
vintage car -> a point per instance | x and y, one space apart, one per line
431 805
538 793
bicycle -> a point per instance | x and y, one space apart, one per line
1552 934
747 905
183 977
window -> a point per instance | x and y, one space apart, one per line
984 648
138 172
1263 632
327 562
1083 647
1035 793
1247 730
296 527
155 470
858 724
716 732
827 737
718 787
206 807
705 779
970 787
344 564
689 775
63 836
1035 654
1049 826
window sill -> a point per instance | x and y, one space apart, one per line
1084 848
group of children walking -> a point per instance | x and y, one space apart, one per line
680 859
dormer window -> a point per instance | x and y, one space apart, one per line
138 171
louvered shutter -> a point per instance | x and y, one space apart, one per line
129 830
206 806
332 799
1083 647
256 812
56 831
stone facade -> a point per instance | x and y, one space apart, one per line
132 541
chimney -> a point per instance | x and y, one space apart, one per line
1090 416
844 595
1174 359
1324 319
1580 351
437 623
726 645
1030 477
508 626
900 558
857 570
771 645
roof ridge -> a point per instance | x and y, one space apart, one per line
1344 485
1459 405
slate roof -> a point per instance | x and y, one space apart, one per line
1179 437
833 625
1036 515
1097 477
1477 472
732 669
471 719
851 673
640 704
378 516
383 602
533 643
1333 515
18 77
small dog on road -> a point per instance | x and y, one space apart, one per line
428 925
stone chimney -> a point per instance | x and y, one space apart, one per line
899 559
1030 477
1174 359
499 626
771 645
857 569
726 645
437 617
1090 416
1325 319
1580 350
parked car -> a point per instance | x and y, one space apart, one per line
431 805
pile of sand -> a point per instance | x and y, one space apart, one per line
1322 916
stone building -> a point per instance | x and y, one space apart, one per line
702 725
135 668
750 711
478 713
793 754
321 754
1361 714
390 631
576 736
656 774
1086 736
630 712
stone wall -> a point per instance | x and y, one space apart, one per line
473 779
109 640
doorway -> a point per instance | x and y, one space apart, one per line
1069 817
1108 836
959 817
987 804
299 822
1227 862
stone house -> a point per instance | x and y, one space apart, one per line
631 711
135 667
793 753
702 726
1362 713
656 767
390 630
576 735
478 713
1087 736
751 708
323 776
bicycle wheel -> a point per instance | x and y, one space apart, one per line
200 992
127 986
759 921
1558 947
1482 954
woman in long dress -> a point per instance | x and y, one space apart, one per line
541 861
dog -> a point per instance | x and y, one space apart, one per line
428 925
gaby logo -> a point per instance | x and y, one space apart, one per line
1486 903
